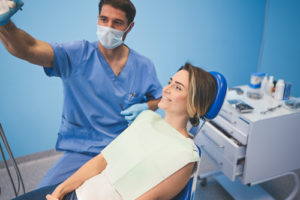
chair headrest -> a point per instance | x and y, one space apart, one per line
220 96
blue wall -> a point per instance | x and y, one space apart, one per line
281 55
215 34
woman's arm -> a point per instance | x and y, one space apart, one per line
171 186
93 167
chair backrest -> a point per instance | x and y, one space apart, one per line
187 193
220 96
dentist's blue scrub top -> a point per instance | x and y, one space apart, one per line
94 95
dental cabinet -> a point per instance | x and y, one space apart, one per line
252 147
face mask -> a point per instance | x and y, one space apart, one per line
110 38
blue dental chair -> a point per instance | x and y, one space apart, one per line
188 192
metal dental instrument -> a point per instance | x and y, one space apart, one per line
271 109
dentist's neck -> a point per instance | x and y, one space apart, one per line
178 122
114 54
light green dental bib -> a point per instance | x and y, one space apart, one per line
146 153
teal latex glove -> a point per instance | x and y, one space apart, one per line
7 9
133 111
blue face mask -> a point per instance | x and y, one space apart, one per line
110 38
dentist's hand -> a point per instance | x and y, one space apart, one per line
7 9
133 111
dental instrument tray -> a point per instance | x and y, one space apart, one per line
240 105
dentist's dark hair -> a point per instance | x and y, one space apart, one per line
201 93
124 5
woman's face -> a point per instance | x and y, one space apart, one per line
175 94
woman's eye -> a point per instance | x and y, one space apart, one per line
178 88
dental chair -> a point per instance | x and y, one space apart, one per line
188 193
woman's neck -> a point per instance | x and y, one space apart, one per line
178 122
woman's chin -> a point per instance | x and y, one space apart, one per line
161 105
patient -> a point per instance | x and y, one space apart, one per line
153 158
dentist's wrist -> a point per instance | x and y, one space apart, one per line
145 106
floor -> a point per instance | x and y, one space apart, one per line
34 167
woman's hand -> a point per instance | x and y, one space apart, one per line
50 197
57 194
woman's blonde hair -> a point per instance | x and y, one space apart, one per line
201 93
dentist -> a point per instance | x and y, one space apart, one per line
106 83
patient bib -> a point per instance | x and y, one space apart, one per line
146 153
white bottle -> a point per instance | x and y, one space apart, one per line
264 84
270 85
279 89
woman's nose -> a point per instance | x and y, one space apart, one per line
167 89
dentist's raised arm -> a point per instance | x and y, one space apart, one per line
18 42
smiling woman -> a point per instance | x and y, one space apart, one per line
195 83
125 171
175 95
